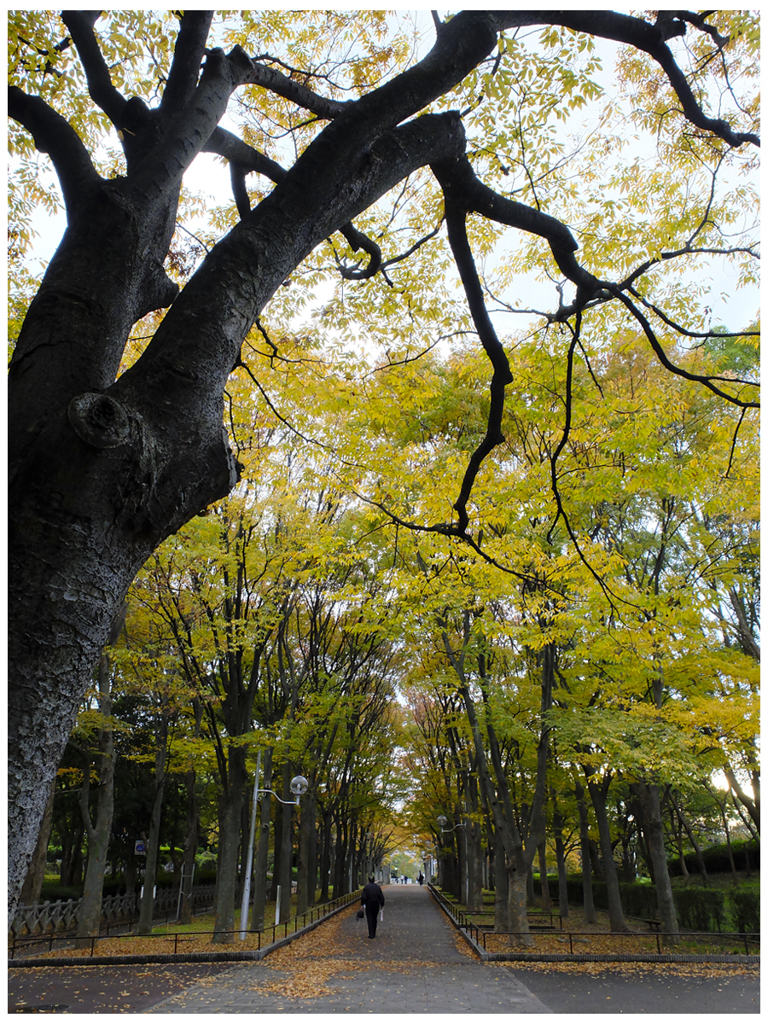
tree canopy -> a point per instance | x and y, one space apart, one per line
396 203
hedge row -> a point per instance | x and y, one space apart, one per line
699 910
114 885
746 856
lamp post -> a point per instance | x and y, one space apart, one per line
299 787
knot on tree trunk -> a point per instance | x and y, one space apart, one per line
99 420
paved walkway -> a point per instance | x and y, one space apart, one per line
416 964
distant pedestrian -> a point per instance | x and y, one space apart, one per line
372 900
421 878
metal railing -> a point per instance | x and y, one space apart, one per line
40 919
481 934
257 938
672 941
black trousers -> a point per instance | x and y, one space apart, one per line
371 914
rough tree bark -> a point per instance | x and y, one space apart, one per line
33 883
103 467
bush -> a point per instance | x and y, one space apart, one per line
700 910
746 854
53 892
745 906
637 899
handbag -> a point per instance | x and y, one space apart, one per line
360 915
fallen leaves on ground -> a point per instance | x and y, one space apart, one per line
660 970
587 939
147 945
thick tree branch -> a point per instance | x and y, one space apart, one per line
275 81
244 159
237 176
200 337
187 58
234 149
56 137
100 88
163 166
460 183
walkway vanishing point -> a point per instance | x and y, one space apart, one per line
418 963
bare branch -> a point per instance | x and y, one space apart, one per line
642 35
667 363
457 236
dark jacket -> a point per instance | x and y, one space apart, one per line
372 895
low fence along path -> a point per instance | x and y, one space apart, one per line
416 964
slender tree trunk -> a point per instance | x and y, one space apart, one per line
693 841
586 859
190 847
615 912
314 860
262 850
325 858
286 846
98 832
229 844
501 888
562 871
147 906
475 844
307 826
653 828
546 900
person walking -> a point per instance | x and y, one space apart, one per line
372 900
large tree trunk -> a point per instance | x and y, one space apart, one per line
103 469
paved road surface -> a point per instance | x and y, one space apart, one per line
416 964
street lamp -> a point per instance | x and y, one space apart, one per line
299 787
